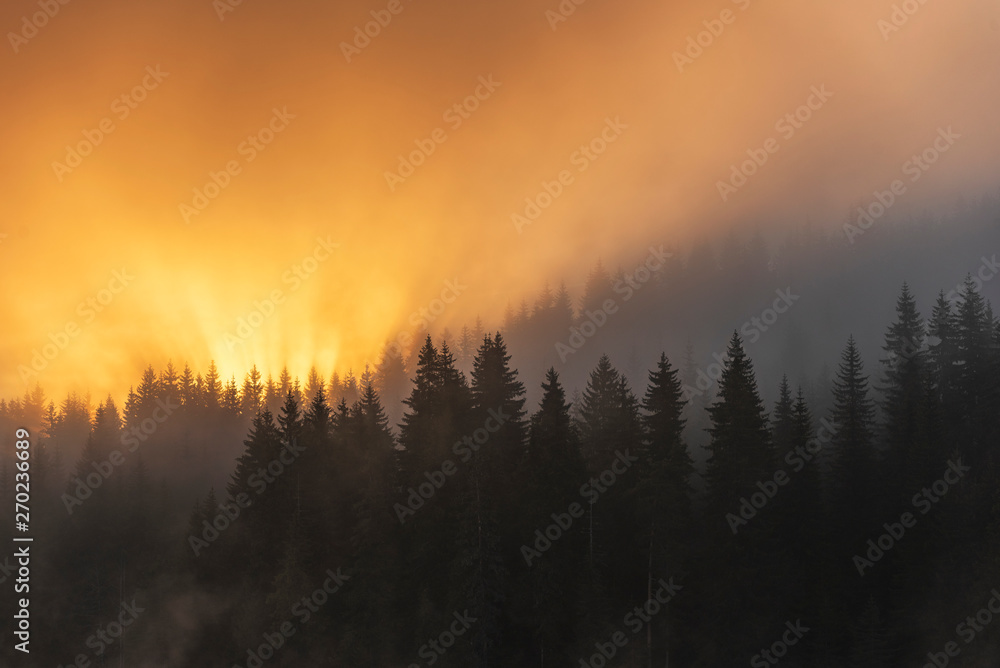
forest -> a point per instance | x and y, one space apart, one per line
435 517
523 334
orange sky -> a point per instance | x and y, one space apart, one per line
323 175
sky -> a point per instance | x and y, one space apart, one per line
265 183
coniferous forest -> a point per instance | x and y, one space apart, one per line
426 513
522 334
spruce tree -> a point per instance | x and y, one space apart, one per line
740 450
976 388
609 416
805 527
488 522
212 388
741 551
852 446
904 394
252 396
251 535
551 593
783 420
664 495
375 553
611 433
943 350
498 398
859 497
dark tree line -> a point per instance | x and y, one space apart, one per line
435 519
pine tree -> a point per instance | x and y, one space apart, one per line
740 550
611 432
943 350
609 417
804 527
374 541
313 383
290 422
976 389
231 398
132 409
853 443
350 388
284 383
666 475
272 399
498 397
436 421
189 397
169 384
417 426
783 420
664 492
252 396
488 520
147 392
281 494
104 437
257 447
740 448
325 482
904 370
253 536
212 388
550 595
858 496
